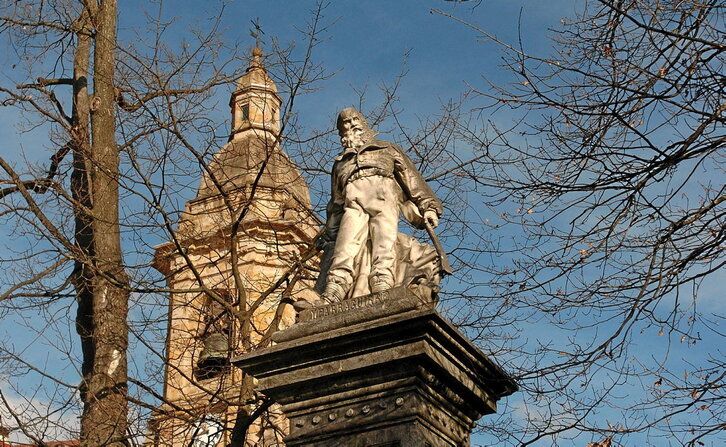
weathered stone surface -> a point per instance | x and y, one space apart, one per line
407 379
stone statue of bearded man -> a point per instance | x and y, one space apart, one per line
373 182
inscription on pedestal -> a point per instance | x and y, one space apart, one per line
359 302
359 309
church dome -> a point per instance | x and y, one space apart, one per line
239 163
253 149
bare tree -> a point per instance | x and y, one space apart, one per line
611 178
142 128
99 278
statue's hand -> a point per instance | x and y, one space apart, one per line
431 218
324 241
320 243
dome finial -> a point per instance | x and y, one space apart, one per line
256 59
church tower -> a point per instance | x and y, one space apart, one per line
231 267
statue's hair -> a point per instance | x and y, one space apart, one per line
351 112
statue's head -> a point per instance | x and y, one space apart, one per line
353 128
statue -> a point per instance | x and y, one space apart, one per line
373 182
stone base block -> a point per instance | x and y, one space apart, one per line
403 378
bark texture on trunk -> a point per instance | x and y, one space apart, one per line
105 411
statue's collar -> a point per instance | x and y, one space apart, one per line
349 151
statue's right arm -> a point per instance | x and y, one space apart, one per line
334 212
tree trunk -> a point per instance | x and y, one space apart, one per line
80 189
105 410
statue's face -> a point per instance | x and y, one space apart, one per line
351 135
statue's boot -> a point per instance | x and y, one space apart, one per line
334 291
379 283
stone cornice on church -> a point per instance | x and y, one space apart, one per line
289 237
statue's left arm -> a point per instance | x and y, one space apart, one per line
414 185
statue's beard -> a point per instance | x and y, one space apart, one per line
354 139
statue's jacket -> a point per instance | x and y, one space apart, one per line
387 160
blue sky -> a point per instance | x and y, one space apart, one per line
368 44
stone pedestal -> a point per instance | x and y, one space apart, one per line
381 370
